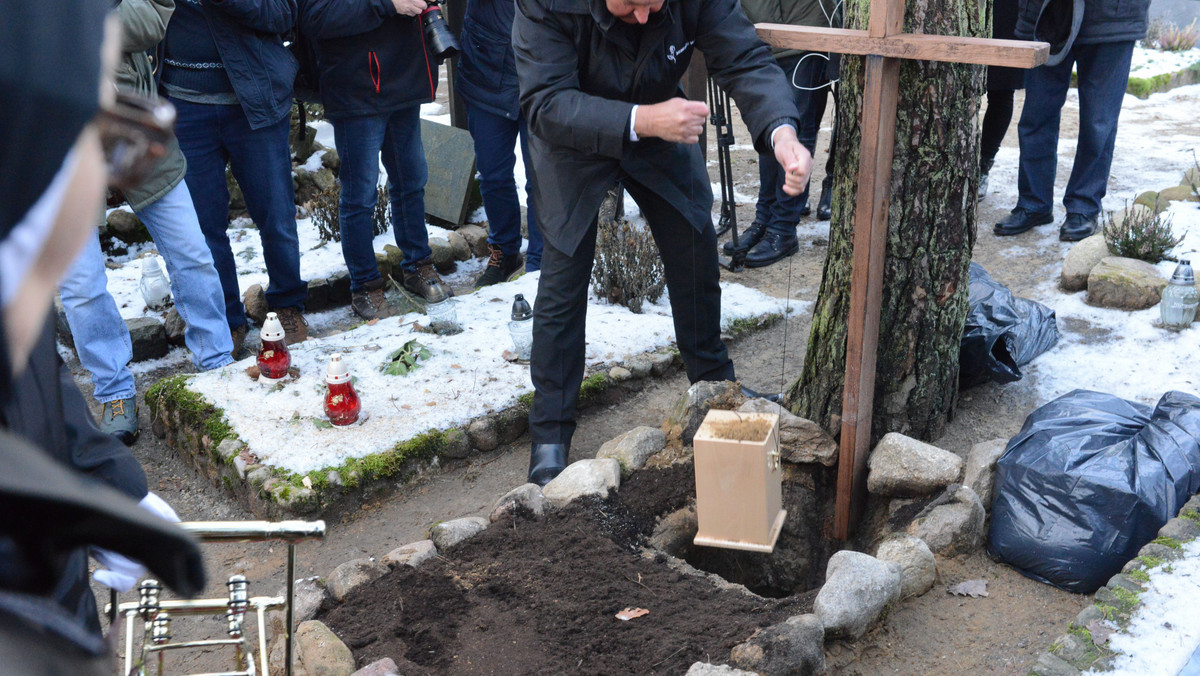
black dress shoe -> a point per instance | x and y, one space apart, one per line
772 248
1077 227
1020 221
751 394
746 238
547 461
825 205
805 210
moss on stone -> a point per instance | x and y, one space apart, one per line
1139 575
745 325
1150 561
1167 542
592 387
388 463
1191 515
526 400
1143 87
173 393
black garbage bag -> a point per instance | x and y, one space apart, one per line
1003 332
1088 481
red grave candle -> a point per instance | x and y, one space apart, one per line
342 404
273 357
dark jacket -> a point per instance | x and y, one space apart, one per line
487 69
581 72
1004 23
1103 20
822 13
249 36
371 59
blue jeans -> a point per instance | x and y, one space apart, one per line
1103 76
101 338
495 157
261 160
359 141
780 211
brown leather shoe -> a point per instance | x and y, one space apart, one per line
425 282
238 336
295 329
369 301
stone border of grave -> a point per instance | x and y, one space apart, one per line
1115 603
1143 87
859 590
200 433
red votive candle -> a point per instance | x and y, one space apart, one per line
273 356
342 405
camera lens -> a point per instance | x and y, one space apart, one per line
441 41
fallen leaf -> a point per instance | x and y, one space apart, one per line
972 588
307 482
509 355
373 322
253 371
1100 631
455 366
630 613
405 407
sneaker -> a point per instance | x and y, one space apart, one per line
295 328
238 336
747 238
120 419
425 283
369 302
499 267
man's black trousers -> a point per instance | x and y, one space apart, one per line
559 314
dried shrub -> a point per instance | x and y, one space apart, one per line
628 270
1140 234
1167 36
1153 32
324 209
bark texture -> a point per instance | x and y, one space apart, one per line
931 230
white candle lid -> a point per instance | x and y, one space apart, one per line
337 373
272 329
151 266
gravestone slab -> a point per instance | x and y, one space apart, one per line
451 191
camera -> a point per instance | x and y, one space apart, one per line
440 41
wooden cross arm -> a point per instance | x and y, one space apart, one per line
982 51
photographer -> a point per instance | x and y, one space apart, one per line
374 74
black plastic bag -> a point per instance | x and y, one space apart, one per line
1003 332
1089 480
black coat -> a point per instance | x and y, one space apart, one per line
1004 24
581 72
1103 20
487 71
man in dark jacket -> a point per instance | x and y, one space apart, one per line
229 75
600 85
1101 52
374 75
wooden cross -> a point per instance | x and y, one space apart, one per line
883 44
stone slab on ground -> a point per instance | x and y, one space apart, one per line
706 669
953 527
526 497
689 411
384 667
980 473
902 466
917 563
1080 260
149 338
633 448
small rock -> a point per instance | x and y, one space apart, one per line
640 366
1181 529
255 300
1080 260
918 567
412 554
596 476
691 408
980 474
229 449
527 498
482 433
619 374
954 527
382 264
331 160
175 327
803 441
127 227
449 533
1049 665
309 595
660 362
1124 284
1191 177
794 646
456 444
324 179
675 531
903 466
317 299
339 288
633 448
352 575
297 500
857 589
149 338
395 257
442 254
1179 193
321 652
460 247
383 667
706 669
476 239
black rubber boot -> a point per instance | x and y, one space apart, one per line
547 461
825 205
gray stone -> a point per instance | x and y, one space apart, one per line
901 466
309 594
1181 529
980 473
482 434
383 667
297 500
443 254
1191 177
802 440
412 554
456 443
257 475
858 588
229 449
1088 614
675 531
61 326
1178 193
255 300
633 448
175 327
1049 665
918 567
639 366
1080 260
395 256
449 533
149 338
1122 581
351 575
339 288
660 362
794 647
1072 648
321 652
596 476
460 247
317 299
619 374
526 497
689 411
1124 284
1162 552
706 669
324 179
331 160
954 527
127 227
1193 504
476 239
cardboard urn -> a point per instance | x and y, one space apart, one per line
739 495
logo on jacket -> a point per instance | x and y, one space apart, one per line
673 51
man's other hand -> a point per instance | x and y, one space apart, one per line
409 7
795 159
677 120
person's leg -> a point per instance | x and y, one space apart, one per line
404 160
172 223
533 254
495 157
197 126
995 125
358 141
1103 76
1045 92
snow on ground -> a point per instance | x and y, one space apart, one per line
1150 62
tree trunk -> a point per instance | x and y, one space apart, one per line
931 230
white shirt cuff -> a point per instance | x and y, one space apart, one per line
776 131
632 121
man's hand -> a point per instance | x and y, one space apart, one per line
795 159
409 7
677 120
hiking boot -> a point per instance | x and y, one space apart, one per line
368 302
238 336
424 282
295 328
120 419
773 247
499 267
747 238
1077 227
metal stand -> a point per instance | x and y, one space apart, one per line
722 121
